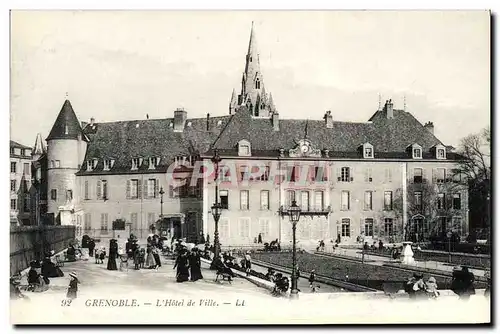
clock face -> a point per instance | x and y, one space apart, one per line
304 148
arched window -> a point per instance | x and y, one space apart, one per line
257 84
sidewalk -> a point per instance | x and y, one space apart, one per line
381 260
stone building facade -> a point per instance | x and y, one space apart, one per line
20 183
99 173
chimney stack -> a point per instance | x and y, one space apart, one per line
328 119
388 108
180 117
430 127
208 121
92 120
276 121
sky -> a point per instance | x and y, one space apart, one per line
122 65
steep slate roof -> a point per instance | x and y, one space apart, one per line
125 140
66 125
18 145
389 137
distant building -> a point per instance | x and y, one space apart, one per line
101 172
20 183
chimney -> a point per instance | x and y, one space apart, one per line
92 120
276 121
430 127
208 121
328 119
180 117
388 108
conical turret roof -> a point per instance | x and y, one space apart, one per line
66 125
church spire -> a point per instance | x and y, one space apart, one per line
233 103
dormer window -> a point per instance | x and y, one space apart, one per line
183 160
153 162
108 164
136 162
440 152
367 151
416 151
91 165
257 84
244 148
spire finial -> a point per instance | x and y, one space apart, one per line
404 102
379 101
66 95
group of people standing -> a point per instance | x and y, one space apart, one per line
188 264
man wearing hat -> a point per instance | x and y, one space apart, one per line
312 278
73 286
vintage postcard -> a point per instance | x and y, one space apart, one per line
250 167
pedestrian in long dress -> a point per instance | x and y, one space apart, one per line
248 263
156 257
73 286
150 260
195 265
113 253
181 263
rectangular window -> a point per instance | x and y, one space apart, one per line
388 227
151 218
224 229
418 200
318 201
87 224
53 194
13 205
224 174
457 201
457 225
368 175
345 201
26 170
265 176
368 152
264 200
86 190
388 175
12 185
345 174
11 150
69 195
105 189
368 200
135 163
290 197
153 162
107 164
244 227
417 175
244 149
151 188
224 198
58 164
292 173
369 227
304 200
441 201
320 174
134 189
13 166
387 200
244 173
104 222
440 175
23 151
346 227
264 227
244 205
441 153
417 153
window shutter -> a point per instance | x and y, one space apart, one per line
412 174
338 174
99 189
157 183
128 189
145 190
139 188
375 228
361 226
424 175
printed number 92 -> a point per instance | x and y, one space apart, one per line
66 302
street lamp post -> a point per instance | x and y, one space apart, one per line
161 192
216 209
449 234
294 212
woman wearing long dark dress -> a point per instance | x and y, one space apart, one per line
181 263
49 269
195 265
113 253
